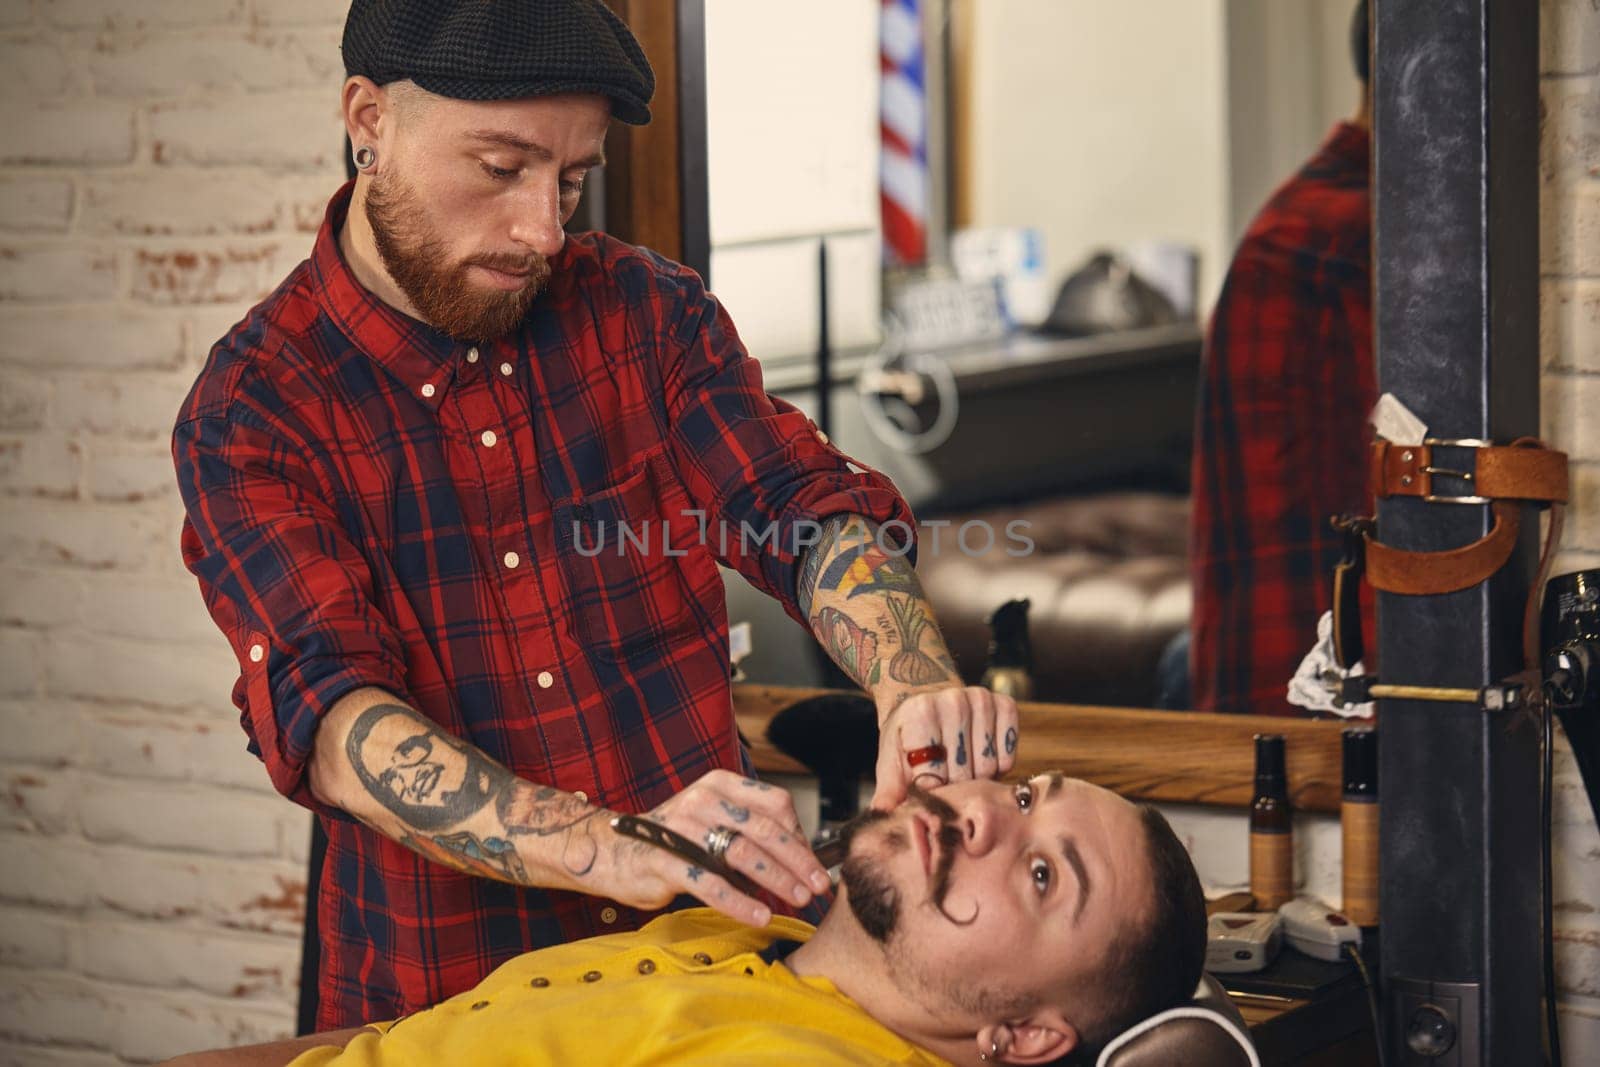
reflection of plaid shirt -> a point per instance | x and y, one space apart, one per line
370 503
1281 431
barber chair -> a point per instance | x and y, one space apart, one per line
1206 1032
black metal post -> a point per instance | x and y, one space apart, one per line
824 344
694 189
1456 214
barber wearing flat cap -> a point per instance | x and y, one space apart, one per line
456 493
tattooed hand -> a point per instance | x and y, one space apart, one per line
868 610
977 729
770 849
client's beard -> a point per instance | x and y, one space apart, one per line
442 294
873 900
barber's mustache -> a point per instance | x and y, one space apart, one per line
510 263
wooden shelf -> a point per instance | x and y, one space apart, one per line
1178 756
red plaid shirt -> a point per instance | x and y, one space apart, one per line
1281 431
373 504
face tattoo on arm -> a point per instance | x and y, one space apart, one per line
434 782
430 779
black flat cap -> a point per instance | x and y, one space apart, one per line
501 50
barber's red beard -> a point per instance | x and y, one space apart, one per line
443 293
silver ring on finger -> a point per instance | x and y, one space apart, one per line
718 840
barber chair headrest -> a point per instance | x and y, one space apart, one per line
1206 1032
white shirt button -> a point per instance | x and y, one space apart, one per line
608 915
511 560
488 439
505 368
581 795
257 653
546 680
472 355
428 389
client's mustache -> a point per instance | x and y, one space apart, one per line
948 840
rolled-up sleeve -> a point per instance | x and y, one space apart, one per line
755 463
283 581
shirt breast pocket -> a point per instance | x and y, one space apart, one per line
635 562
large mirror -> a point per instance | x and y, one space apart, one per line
1036 134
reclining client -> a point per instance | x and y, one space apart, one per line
979 922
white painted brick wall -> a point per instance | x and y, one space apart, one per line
1569 345
256 130
162 163
145 14
97 337
56 273
28 204
84 132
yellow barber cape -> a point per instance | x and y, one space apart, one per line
689 988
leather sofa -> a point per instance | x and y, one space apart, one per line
1106 574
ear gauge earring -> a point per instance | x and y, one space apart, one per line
365 157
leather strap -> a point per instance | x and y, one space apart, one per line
1348 641
1396 570
1503 475
1525 470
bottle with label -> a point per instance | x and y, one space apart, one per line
1271 828
1010 670
1358 827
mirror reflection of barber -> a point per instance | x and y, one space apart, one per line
1281 432
380 466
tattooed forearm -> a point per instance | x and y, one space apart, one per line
491 857
816 555
460 808
525 808
910 664
853 648
429 779
868 610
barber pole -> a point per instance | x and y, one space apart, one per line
903 127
